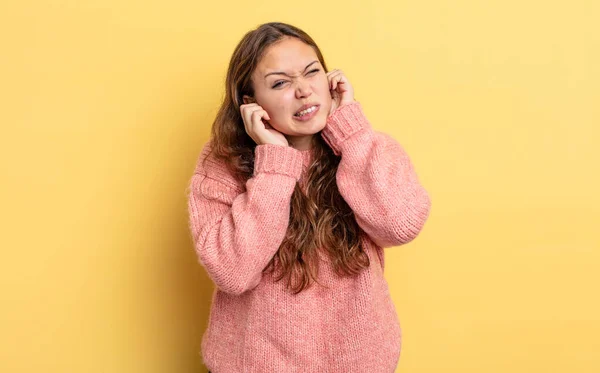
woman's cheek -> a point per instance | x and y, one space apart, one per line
328 102
278 114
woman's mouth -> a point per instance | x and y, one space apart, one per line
307 114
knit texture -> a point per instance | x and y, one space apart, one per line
350 324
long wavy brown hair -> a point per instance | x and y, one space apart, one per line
319 217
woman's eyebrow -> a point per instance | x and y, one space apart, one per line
282 73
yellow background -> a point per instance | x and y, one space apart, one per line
106 105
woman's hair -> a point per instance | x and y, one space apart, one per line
321 218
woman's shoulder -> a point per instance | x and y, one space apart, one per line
215 168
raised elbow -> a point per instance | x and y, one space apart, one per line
406 221
413 217
237 286
229 277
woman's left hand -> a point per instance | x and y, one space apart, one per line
340 88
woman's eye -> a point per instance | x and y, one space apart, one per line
279 83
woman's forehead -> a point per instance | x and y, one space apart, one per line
287 57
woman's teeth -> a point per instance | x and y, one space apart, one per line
304 112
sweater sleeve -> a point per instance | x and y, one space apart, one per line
376 178
236 233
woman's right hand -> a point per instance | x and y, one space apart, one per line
260 131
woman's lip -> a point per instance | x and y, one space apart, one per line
308 116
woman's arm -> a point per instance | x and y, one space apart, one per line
236 233
376 178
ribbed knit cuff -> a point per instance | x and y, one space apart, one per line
278 159
344 122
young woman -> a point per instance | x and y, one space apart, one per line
291 204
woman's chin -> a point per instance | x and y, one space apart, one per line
306 128
309 131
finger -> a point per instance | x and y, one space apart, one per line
248 113
331 81
336 77
258 115
339 79
245 106
246 109
332 75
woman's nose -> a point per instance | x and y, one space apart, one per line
303 89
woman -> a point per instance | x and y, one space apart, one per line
295 185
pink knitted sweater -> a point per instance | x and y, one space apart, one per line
256 325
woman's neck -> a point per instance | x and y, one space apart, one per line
301 142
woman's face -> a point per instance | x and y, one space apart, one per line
288 77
